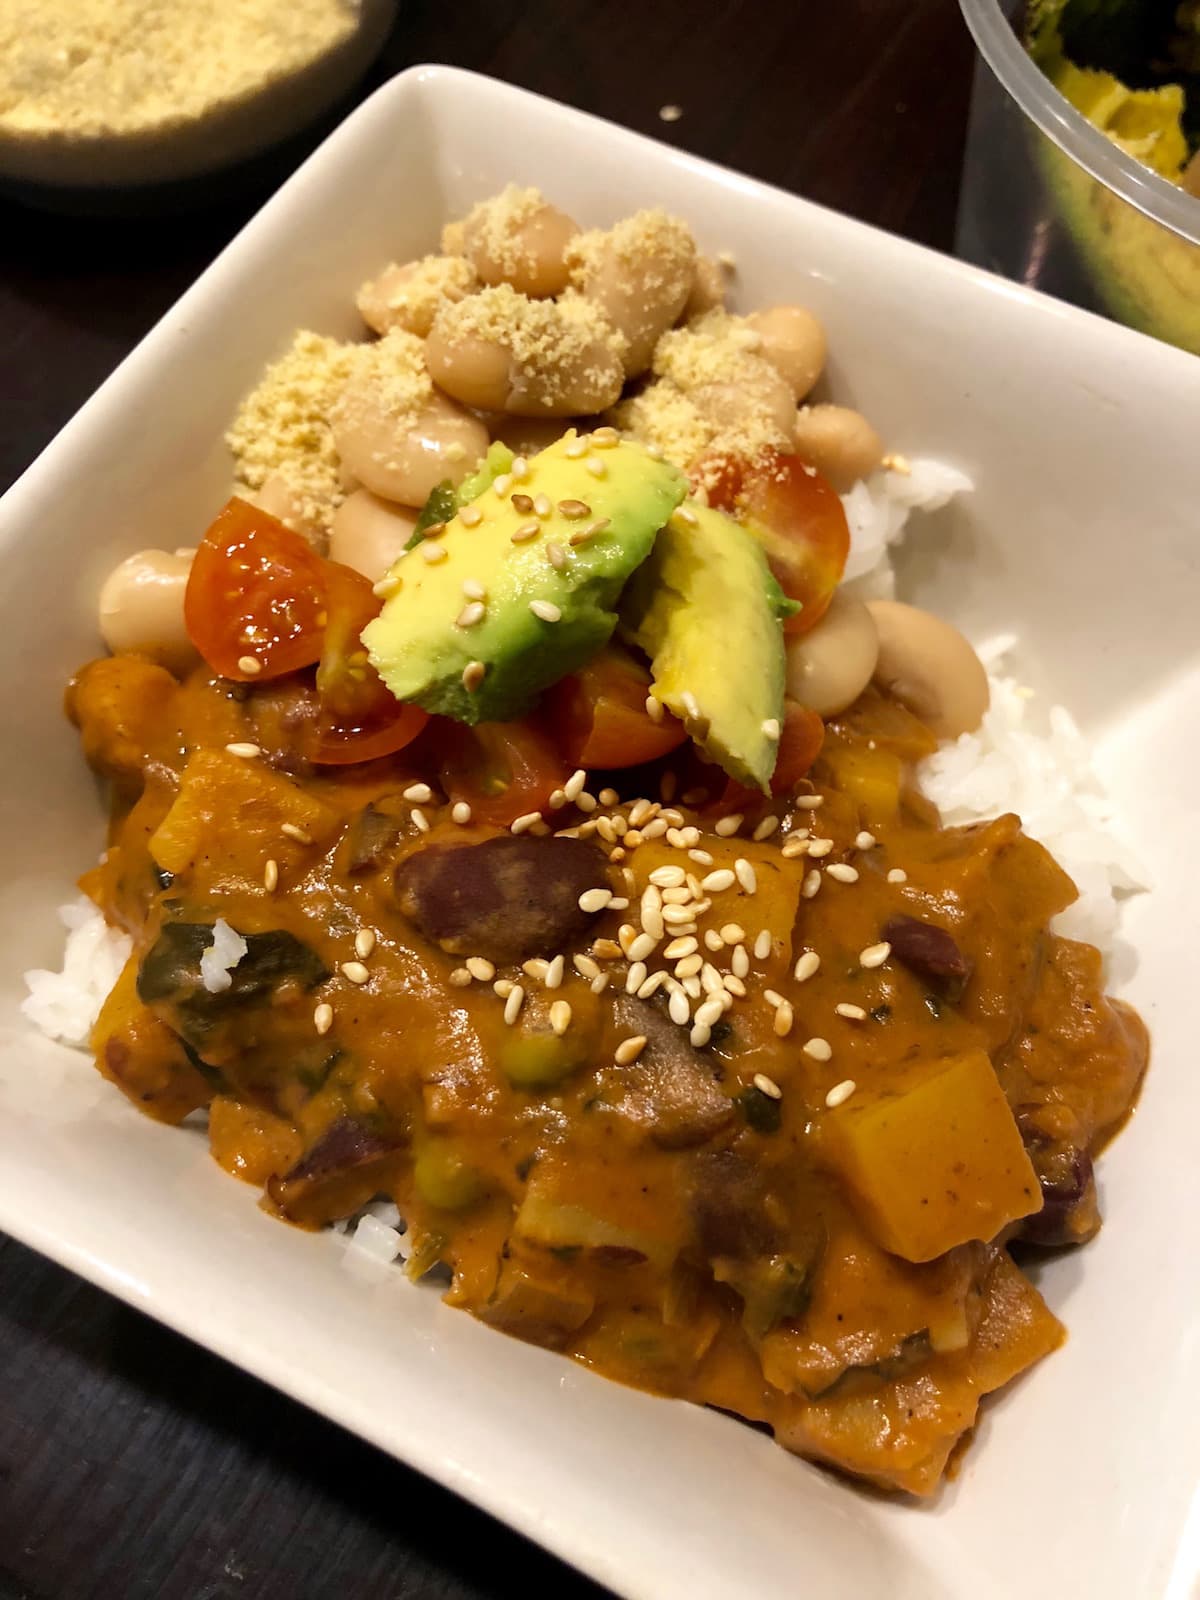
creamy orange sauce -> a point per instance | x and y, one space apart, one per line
663 1220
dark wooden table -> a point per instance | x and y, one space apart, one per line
134 1466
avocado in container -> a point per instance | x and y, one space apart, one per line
1048 198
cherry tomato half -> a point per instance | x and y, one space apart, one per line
257 590
799 518
599 715
501 769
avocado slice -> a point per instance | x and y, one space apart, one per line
606 506
445 499
708 612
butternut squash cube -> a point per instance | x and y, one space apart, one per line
936 1162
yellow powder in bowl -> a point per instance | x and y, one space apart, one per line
119 92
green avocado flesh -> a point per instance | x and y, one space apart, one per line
708 612
611 501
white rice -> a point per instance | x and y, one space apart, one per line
64 1005
223 954
877 511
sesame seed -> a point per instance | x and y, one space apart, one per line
609 797
606 949
840 1093
574 785
576 449
854 1013
806 966
433 553
700 1035
584 966
291 831
690 705
635 977
629 1049
843 872
513 1004
616 854
480 967
599 983
713 940
251 666
654 452
502 485
594 899
727 826
668 877
323 1017
473 589
541 505
677 917
641 811
772 997
686 516
678 1009
678 948
596 467
619 903
819 847
556 555
811 884
433 531
770 729
655 828
767 1086
582 535
678 897
243 749
874 955
473 675
784 1017
689 966
746 875
520 469
818 1049
765 828
560 1017
474 611
626 934
711 1011
390 584
522 824
710 979
419 793
793 848
470 516
654 708
809 802
763 945
502 988
420 819
700 856
644 945
460 812
574 510
364 943
355 971
740 961
271 877
522 503
587 802
897 875
555 971
460 977
734 985
536 967
526 531
716 881
864 840
605 438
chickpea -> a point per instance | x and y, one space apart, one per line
408 296
141 609
639 274
368 533
520 239
708 288
501 351
793 341
829 667
929 667
839 442
280 498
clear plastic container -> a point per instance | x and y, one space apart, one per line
1049 200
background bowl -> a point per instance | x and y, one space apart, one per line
1049 200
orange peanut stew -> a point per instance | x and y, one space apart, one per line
796 1203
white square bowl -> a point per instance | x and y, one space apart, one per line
1081 535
